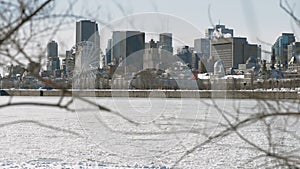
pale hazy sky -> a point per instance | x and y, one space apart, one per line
263 19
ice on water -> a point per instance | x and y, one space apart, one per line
161 131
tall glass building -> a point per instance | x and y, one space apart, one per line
280 49
126 43
52 49
85 29
87 45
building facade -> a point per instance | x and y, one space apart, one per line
108 51
185 54
129 45
87 45
151 58
86 30
233 51
294 53
280 49
53 61
52 49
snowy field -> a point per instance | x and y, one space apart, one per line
148 133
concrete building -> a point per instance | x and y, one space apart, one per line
233 51
151 58
280 49
202 45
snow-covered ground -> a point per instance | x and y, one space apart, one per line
149 133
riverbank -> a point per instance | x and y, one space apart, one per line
230 94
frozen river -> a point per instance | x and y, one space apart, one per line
143 132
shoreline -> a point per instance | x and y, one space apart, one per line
230 94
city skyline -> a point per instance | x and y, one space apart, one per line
256 20
150 84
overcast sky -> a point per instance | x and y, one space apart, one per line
263 19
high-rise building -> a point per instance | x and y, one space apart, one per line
108 51
87 45
55 64
151 58
233 51
202 46
69 63
202 49
86 30
135 41
165 42
280 49
52 49
128 43
53 61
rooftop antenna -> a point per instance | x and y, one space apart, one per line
219 22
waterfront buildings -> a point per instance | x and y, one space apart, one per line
202 46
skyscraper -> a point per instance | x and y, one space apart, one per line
87 45
151 58
280 49
108 51
85 29
128 43
52 49
53 62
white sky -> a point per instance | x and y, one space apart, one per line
262 19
